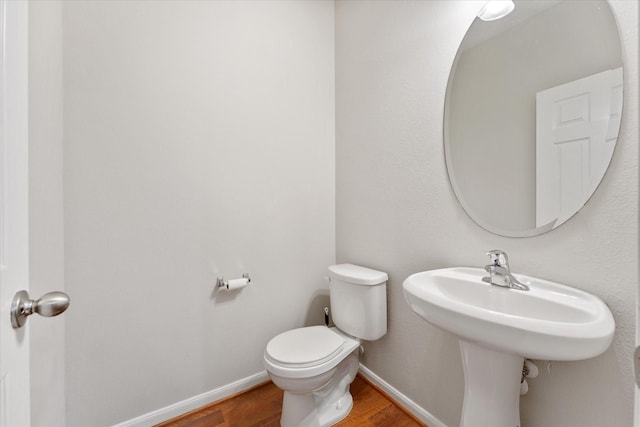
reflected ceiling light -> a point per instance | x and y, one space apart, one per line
496 9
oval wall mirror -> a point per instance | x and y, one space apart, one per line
532 114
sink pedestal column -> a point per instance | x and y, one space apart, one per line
491 387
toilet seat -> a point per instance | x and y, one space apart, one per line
305 352
304 347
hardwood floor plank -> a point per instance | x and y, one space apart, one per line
262 406
210 420
411 419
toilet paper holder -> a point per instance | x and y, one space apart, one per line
221 283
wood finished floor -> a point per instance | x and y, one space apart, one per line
261 407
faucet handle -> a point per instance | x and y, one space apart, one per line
498 257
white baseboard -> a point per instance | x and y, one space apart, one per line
171 411
179 408
418 411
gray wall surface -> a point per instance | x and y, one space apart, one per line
199 142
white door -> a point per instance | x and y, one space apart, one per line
576 129
14 226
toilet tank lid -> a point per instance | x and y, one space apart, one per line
358 275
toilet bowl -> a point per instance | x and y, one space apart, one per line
315 366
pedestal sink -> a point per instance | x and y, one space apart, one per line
500 327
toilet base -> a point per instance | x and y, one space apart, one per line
301 411
325 406
338 411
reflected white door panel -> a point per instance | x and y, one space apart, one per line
576 130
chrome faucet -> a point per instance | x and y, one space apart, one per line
500 273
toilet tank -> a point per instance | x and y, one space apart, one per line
358 300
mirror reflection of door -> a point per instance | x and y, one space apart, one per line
576 129
490 124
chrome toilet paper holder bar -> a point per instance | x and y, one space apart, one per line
220 282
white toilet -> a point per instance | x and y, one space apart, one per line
315 365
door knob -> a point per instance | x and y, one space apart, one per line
48 305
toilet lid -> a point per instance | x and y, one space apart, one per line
304 346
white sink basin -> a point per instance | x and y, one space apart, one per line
500 327
550 321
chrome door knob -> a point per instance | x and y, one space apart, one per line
48 305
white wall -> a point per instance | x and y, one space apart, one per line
46 243
396 211
199 141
